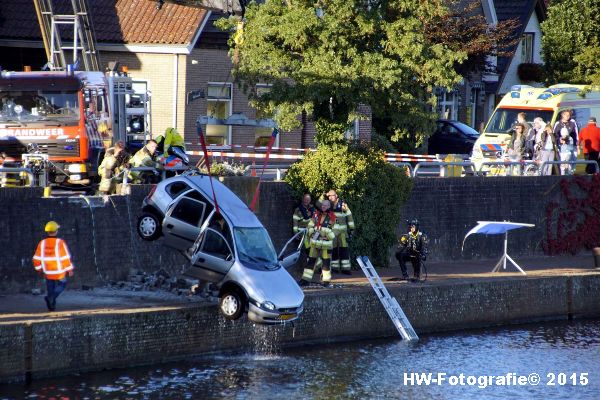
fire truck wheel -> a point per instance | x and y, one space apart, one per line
148 226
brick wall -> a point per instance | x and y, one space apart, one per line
105 245
156 335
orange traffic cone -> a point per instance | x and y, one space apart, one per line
253 173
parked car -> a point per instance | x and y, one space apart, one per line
452 137
231 249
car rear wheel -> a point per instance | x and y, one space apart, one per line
231 304
148 226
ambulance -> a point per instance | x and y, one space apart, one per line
544 102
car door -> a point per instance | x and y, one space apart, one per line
436 140
213 257
291 251
181 225
454 141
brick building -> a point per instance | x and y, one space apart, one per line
177 50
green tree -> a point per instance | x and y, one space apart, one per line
328 56
374 189
569 38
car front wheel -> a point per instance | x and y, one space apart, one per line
148 227
231 305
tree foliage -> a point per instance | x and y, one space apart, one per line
570 41
328 56
375 192
464 28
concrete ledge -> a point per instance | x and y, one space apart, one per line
69 343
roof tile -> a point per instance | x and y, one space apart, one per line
115 21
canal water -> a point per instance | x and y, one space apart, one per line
498 363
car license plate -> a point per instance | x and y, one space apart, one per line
285 317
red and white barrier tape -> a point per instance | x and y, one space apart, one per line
246 155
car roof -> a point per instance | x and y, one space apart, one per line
234 210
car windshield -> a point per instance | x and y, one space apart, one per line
503 119
26 106
255 249
466 129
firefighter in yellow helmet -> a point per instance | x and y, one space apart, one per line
344 228
53 259
320 232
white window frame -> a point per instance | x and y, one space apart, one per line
353 132
450 100
527 44
230 100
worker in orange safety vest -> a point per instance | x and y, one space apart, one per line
52 258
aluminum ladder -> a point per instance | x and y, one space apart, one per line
390 304
84 41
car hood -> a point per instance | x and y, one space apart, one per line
276 286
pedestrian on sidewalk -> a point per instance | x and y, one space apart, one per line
53 259
589 143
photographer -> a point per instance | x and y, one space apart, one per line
412 247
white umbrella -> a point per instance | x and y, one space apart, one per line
498 228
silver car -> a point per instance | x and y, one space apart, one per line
230 248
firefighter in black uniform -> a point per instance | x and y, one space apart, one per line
412 247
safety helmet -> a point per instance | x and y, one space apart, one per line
51 226
414 222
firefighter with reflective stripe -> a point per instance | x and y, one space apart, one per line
302 216
172 138
320 232
53 259
144 157
343 229
112 163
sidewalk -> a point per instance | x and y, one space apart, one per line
28 307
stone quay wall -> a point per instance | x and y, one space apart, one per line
145 336
105 246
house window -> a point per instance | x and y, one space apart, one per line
352 131
527 48
218 105
447 104
263 135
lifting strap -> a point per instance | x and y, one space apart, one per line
269 147
205 150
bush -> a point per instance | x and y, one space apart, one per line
375 192
382 143
529 72
225 169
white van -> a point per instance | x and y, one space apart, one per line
546 103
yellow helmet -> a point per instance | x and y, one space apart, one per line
52 226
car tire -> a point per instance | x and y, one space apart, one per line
231 304
148 226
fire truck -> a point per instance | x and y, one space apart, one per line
66 120
59 122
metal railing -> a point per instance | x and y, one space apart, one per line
16 170
468 168
527 167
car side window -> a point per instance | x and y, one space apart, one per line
450 130
189 210
194 194
176 188
215 245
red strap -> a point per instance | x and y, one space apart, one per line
269 147
204 149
